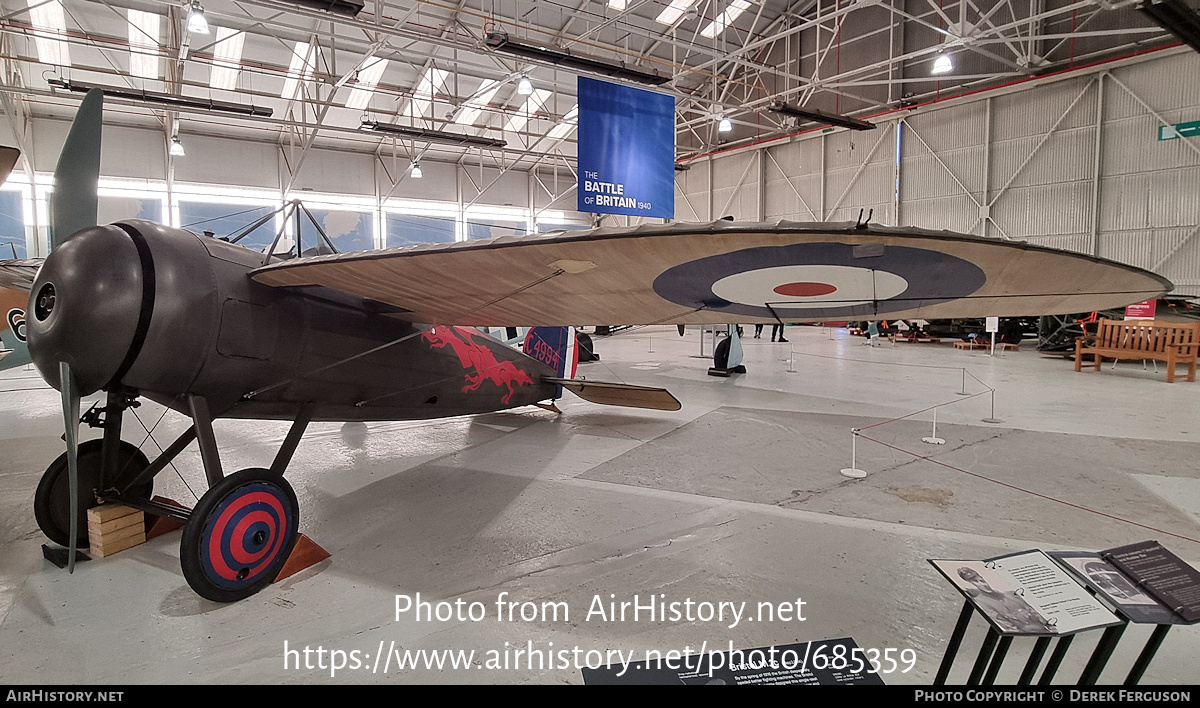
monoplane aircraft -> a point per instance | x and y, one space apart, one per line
214 330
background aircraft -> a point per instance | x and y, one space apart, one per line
211 329
16 277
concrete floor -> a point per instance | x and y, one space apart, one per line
736 497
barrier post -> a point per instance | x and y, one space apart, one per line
853 471
933 439
993 418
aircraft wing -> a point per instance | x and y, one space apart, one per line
723 272
19 275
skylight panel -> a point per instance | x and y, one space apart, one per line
304 62
564 128
368 78
49 17
618 4
143 44
532 105
717 26
430 84
671 13
474 107
227 54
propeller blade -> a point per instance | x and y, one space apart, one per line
8 160
73 204
70 402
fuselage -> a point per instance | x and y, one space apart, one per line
168 313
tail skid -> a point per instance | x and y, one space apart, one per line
617 394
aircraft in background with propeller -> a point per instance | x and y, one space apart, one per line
215 330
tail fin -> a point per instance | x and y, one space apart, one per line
555 347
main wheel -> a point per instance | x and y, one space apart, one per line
52 500
239 535
721 354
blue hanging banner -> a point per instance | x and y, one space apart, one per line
626 150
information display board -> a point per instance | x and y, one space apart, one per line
1115 588
1162 574
1027 594
626 150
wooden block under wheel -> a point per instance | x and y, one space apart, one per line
113 528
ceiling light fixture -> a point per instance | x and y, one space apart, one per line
431 136
524 86
820 116
724 125
500 42
165 99
177 147
196 23
942 65
415 172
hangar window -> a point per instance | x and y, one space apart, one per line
118 208
348 230
226 219
12 225
489 228
413 229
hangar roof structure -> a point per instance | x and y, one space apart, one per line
428 64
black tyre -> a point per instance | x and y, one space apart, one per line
239 535
586 353
721 354
52 501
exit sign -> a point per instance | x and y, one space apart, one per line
1179 130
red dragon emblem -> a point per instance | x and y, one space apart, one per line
477 356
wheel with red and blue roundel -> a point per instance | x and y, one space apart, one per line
239 535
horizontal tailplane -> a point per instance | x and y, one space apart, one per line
616 394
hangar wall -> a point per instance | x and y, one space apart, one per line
1072 163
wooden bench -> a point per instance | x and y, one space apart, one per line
1172 342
